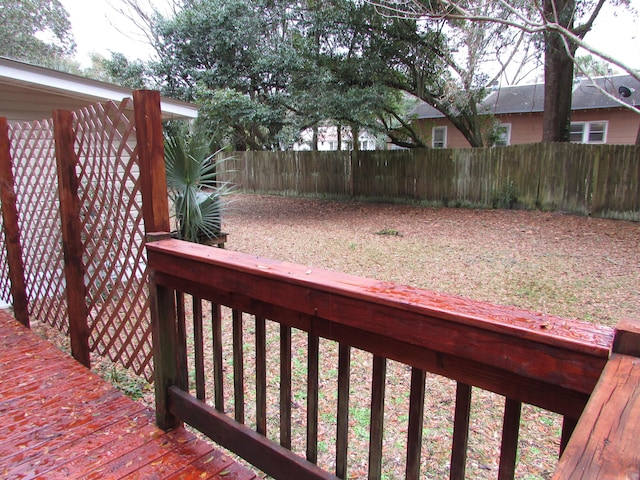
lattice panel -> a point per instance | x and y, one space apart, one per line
35 172
5 284
113 235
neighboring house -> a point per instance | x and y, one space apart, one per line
328 139
28 93
518 111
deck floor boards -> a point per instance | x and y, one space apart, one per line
59 420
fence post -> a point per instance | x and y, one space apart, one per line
155 209
67 161
12 228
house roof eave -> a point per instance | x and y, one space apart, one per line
28 92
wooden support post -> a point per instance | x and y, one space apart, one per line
12 228
627 338
153 179
155 211
67 160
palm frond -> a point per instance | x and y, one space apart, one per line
193 186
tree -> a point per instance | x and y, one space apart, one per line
119 69
563 24
254 67
234 58
36 31
437 62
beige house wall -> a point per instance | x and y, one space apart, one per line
622 128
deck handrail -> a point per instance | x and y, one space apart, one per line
528 357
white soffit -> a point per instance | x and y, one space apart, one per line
28 92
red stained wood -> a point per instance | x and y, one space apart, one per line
150 146
269 456
67 161
11 227
550 362
604 444
62 421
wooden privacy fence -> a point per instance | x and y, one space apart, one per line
74 181
599 180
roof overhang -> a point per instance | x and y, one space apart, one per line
29 92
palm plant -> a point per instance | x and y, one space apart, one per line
193 186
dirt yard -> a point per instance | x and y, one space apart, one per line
575 267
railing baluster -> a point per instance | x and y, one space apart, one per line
313 354
238 367
198 341
285 386
377 417
182 373
509 447
261 376
342 435
460 432
568 426
414 429
218 376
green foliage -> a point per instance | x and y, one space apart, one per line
231 56
389 231
128 383
193 186
257 68
118 69
506 196
35 31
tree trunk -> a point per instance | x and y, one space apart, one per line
314 139
558 74
355 135
339 134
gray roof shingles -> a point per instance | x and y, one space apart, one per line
530 98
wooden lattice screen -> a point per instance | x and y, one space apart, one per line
113 235
112 230
36 186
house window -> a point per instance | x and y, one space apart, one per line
367 145
588 132
503 135
439 137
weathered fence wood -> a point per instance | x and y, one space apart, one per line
602 180
12 228
74 270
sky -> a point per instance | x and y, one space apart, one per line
98 28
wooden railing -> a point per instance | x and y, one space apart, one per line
528 358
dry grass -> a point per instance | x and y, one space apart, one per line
568 266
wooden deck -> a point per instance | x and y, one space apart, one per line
59 420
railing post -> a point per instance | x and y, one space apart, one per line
153 179
12 228
155 210
67 161
627 338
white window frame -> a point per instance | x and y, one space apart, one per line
444 137
587 130
503 140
